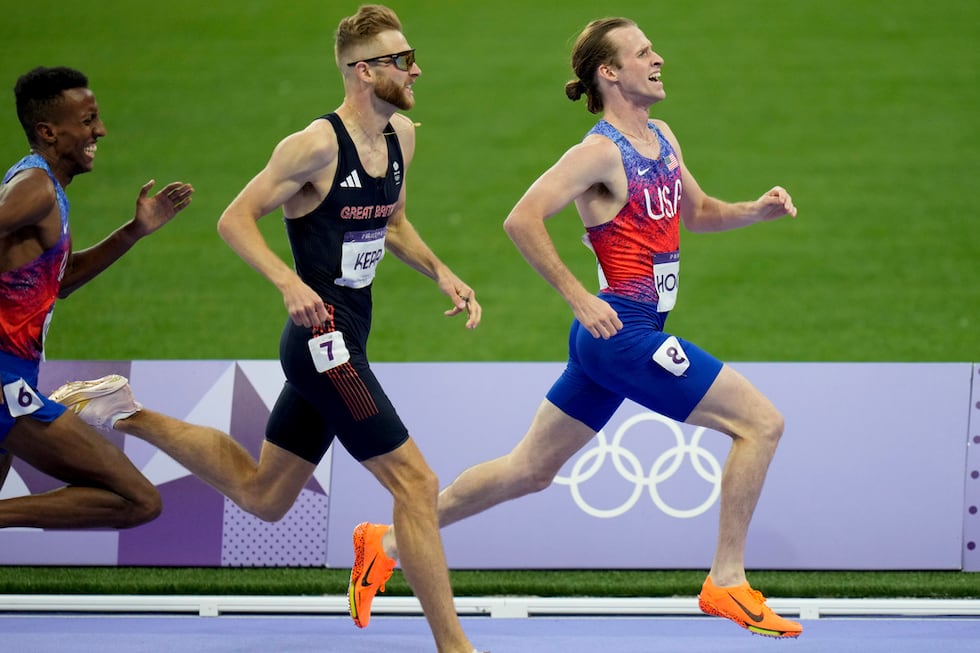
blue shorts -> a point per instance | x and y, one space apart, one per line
20 397
641 362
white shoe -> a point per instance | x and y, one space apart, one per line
100 403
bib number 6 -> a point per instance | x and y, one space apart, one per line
21 398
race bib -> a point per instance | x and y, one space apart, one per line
666 271
360 255
671 356
328 350
21 399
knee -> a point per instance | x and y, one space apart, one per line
264 506
419 487
425 484
533 476
144 506
269 514
771 426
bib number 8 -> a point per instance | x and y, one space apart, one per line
672 357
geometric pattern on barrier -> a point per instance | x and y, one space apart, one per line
880 463
298 540
971 517
198 526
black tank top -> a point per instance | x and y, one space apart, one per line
338 245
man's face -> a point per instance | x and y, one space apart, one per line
396 91
392 84
73 130
639 64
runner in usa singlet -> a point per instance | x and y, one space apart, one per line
639 250
638 255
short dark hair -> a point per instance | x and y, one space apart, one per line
38 91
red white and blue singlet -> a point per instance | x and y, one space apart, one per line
28 293
639 250
27 297
638 253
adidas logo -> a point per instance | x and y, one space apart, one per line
352 181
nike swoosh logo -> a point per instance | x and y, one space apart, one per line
751 615
365 582
643 171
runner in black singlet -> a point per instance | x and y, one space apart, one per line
340 183
336 249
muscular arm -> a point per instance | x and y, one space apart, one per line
702 213
405 243
293 164
30 223
586 166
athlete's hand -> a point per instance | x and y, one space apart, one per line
597 316
775 204
464 299
156 211
306 308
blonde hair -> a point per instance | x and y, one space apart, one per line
592 49
362 27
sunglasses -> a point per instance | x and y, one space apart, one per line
402 60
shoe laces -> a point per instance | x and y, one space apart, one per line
757 595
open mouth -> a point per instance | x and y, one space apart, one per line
90 150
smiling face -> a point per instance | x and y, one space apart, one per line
391 84
68 138
639 67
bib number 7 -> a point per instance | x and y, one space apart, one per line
328 350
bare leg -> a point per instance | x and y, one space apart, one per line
266 488
735 407
6 458
531 466
414 488
104 489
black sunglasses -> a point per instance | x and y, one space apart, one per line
402 60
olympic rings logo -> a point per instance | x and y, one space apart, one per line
631 469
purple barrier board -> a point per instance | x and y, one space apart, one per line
869 474
877 470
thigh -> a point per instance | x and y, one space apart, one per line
6 458
349 398
655 369
579 395
295 425
734 406
553 437
71 451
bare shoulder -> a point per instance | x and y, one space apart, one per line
28 197
405 128
667 132
310 148
596 156
598 146
401 122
